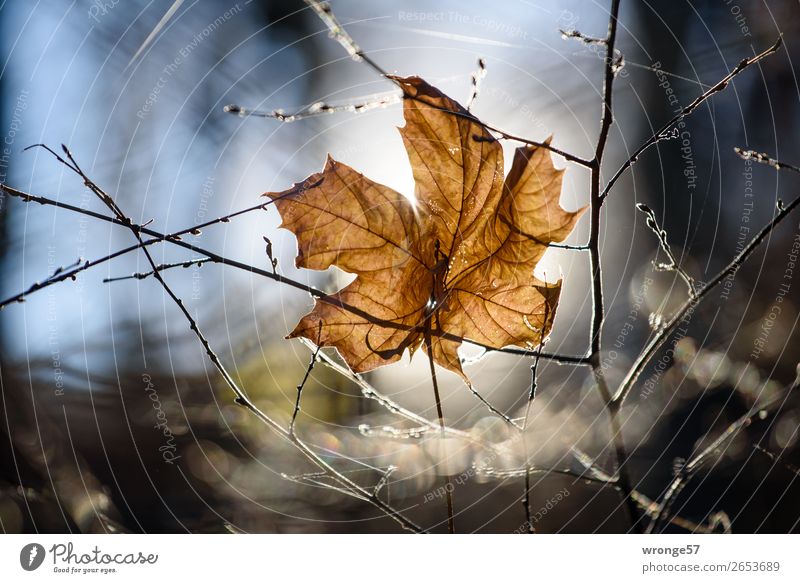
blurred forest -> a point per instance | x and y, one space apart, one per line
113 420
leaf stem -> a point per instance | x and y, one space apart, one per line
448 486
526 500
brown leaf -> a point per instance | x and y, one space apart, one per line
460 259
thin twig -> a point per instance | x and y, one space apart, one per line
161 267
664 332
338 33
663 134
778 459
302 384
585 39
220 259
536 239
347 485
477 79
273 261
505 417
685 473
763 158
72 271
317 109
545 145
59 274
370 392
673 264
390 432
618 61
504 474
384 480
569 247
648 506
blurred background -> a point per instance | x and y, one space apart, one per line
113 418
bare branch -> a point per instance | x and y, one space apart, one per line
664 332
763 158
778 459
697 461
317 109
392 433
302 384
338 33
340 481
617 61
665 247
347 486
384 480
567 34
491 407
162 267
648 506
663 133
72 272
273 261
175 239
598 308
477 79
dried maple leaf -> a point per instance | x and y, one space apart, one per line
456 263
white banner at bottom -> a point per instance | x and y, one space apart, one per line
389 558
